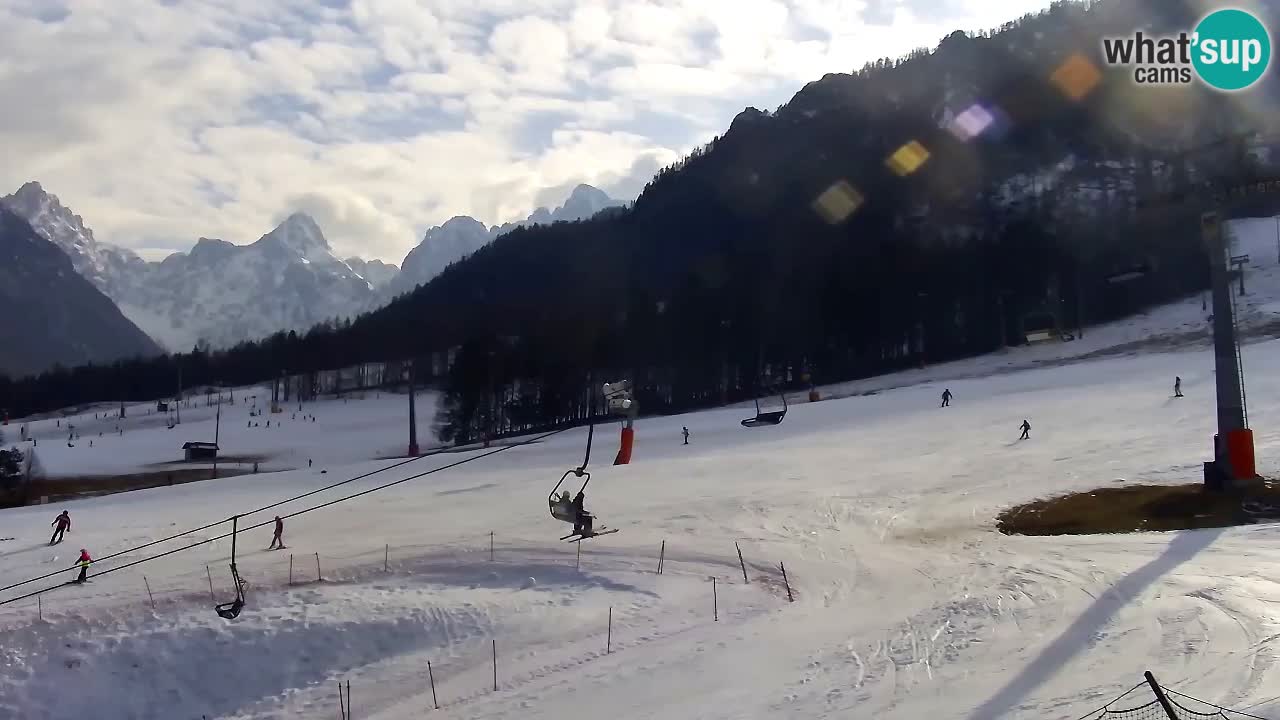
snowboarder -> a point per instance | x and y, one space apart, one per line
84 563
1026 430
277 540
308 462
581 519
1177 386
946 398
61 524
685 431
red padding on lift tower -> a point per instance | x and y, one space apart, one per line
624 451
1240 453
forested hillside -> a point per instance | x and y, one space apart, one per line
917 210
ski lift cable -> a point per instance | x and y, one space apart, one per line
321 506
219 522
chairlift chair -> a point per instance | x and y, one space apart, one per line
564 512
772 417
559 510
231 610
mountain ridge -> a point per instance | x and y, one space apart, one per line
55 315
218 293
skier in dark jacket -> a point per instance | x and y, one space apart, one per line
581 518
61 524
1026 430
1177 386
277 540
946 397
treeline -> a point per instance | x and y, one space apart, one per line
739 269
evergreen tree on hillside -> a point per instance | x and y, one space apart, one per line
727 263
465 411
11 467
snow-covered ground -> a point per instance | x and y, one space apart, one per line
908 602
361 426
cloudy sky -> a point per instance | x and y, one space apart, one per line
163 120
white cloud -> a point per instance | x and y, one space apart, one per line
163 121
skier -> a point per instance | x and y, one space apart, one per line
1177 386
565 506
61 524
946 398
685 432
277 540
1026 430
84 563
581 519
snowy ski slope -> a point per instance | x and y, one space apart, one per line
364 426
908 602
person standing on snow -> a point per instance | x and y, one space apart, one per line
685 431
277 540
1177 386
946 398
84 562
61 524
1026 430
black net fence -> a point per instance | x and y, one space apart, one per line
1142 703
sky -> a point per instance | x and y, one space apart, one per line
161 121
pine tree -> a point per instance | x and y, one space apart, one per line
11 467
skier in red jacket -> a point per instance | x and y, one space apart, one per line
61 524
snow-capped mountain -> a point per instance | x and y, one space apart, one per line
111 269
378 273
462 235
455 239
222 293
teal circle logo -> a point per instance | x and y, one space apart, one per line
1231 49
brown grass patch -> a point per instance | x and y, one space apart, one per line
1136 508
66 488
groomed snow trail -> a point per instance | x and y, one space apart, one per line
908 602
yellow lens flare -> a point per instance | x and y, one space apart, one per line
838 202
1076 77
908 158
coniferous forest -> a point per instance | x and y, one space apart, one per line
815 242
